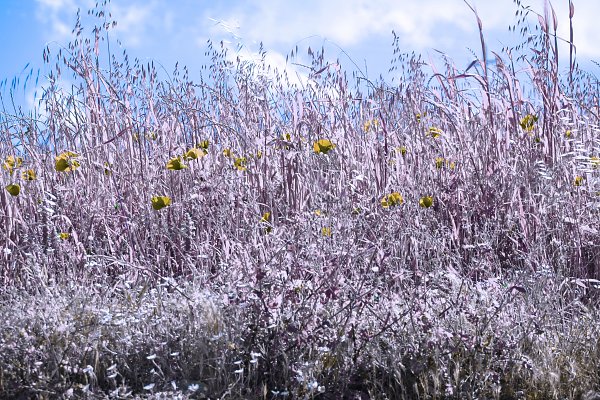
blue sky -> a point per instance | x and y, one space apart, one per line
167 31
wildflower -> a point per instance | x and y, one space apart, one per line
194 154
319 213
29 175
326 231
11 163
419 116
265 217
159 202
175 164
64 235
402 150
265 220
151 135
107 168
595 161
13 189
391 200
578 181
286 137
227 152
66 162
323 146
439 162
240 163
426 201
258 154
568 134
369 125
435 132
203 146
528 122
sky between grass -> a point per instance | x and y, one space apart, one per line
358 32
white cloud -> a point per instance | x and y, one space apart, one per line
54 14
585 31
56 4
584 24
421 24
449 25
135 20
348 22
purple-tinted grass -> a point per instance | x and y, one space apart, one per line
284 266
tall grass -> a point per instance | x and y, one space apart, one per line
444 246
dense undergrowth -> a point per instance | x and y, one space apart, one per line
248 237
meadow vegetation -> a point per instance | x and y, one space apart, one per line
247 236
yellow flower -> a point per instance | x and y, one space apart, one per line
402 150
227 153
13 189
240 163
64 235
66 162
159 202
578 181
175 164
391 200
323 146
528 122
29 175
265 217
194 154
11 163
326 231
259 154
286 137
203 145
318 213
568 134
439 162
419 116
435 132
151 135
372 124
595 161
107 168
426 201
